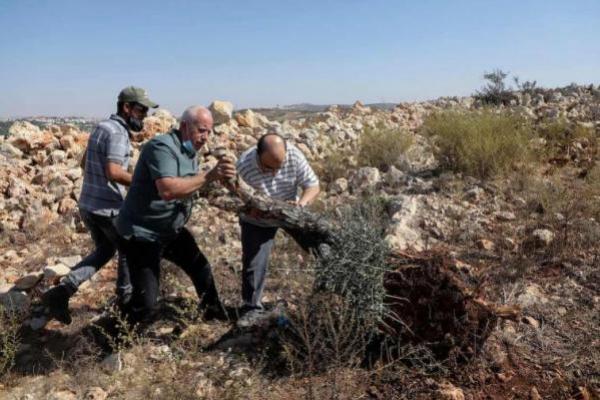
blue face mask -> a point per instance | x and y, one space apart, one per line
189 146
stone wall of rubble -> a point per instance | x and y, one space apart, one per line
40 176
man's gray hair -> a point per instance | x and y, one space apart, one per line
191 113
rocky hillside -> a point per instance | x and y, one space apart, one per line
525 245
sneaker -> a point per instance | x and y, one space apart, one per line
253 317
56 304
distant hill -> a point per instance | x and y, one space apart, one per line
308 107
303 110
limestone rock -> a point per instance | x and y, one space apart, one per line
95 393
485 244
10 151
531 295
531 321
394 177
62 395
74 173
366 178
505 216
247 118
70 261
159 122
60 186
534 394
448 391
359 108
16 188
67 142
160 353
28 281
404 231
23 129
221 111
15 301
542 237
66 205
58 156
474 194
56 271
339 186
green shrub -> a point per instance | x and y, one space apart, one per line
334 324
355 267
568 207
480 144
495 92
9 339
556 131
561 136
382 147
562 132
335 163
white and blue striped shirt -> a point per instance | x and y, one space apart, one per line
295 173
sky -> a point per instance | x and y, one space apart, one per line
72 57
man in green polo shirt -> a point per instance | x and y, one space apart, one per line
158 205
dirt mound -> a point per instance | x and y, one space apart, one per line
431 302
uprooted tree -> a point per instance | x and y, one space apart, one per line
416 298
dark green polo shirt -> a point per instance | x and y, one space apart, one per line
144 215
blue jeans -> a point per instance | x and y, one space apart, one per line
105 238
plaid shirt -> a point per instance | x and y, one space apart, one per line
109 142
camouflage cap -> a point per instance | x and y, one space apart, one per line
132 94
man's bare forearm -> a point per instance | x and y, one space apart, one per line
116 173
171 188
309 195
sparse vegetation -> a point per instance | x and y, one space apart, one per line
570 209
378 147
355 269
335 163
495 92
333 326
529 87
9 339
336 338
382 147
480 144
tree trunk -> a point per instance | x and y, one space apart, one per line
429 301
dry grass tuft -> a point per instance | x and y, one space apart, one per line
481 144
382 147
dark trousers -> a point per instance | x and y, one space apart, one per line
144 265
257 243
105 239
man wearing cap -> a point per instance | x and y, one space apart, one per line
106 162
158 205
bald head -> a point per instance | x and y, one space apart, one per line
271 149
195 125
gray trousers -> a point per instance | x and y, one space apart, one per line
257 242
105 238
